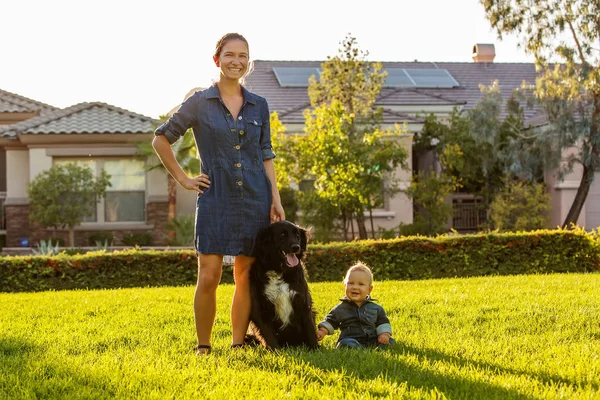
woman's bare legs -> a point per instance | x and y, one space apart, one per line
240 308
210 267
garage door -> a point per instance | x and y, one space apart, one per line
592 204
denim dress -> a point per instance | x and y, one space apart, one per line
237 203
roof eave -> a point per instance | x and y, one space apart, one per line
78 138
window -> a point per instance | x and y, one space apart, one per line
125 199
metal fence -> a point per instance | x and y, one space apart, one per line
469 214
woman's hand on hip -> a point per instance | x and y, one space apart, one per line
198 183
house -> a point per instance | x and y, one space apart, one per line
34 136
417 88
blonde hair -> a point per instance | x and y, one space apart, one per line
359 266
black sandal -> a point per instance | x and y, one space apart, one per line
200 347
237 345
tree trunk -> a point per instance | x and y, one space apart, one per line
344 225
362 228
172 199
584 187
372 226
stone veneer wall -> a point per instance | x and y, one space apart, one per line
18 226
157 214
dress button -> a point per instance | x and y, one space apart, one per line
241 132
239 183
240 117
237 147
238 165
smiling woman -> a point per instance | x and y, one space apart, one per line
237 189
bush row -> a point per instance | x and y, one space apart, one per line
399 259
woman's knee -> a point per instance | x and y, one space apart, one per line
209 272
241 269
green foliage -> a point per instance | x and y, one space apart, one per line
101 236
460 256
102 246
565 30
321 215
46 248
137 239
63 195
290 203
430 192
183 226
401 258
344 150
521 207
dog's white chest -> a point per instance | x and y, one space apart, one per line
279 293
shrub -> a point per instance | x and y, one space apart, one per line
100 237
520 207
184 226
137 239
399 259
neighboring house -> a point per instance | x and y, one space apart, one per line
414 88
34 136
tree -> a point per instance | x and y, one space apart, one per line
520 206
430 190
344 149
283 147
490 147
60 197
569 92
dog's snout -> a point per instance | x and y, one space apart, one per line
295 248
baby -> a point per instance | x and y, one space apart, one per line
362 323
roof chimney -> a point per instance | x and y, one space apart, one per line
484 53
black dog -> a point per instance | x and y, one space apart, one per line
282 313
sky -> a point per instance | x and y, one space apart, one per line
145 56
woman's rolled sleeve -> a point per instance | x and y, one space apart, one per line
183 119
265 135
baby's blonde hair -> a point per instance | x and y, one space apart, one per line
359 266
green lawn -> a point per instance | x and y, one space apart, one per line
500 337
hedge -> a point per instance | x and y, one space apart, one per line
399 259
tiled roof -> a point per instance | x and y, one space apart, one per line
83 118
11 103
289 102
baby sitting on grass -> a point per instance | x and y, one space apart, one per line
362 323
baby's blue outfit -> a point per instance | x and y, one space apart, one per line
237 203
359 326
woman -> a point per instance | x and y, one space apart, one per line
237 189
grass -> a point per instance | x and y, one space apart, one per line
524 337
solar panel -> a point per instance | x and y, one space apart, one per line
295 76
428 78
396 77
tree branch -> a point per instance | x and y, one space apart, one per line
579 49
